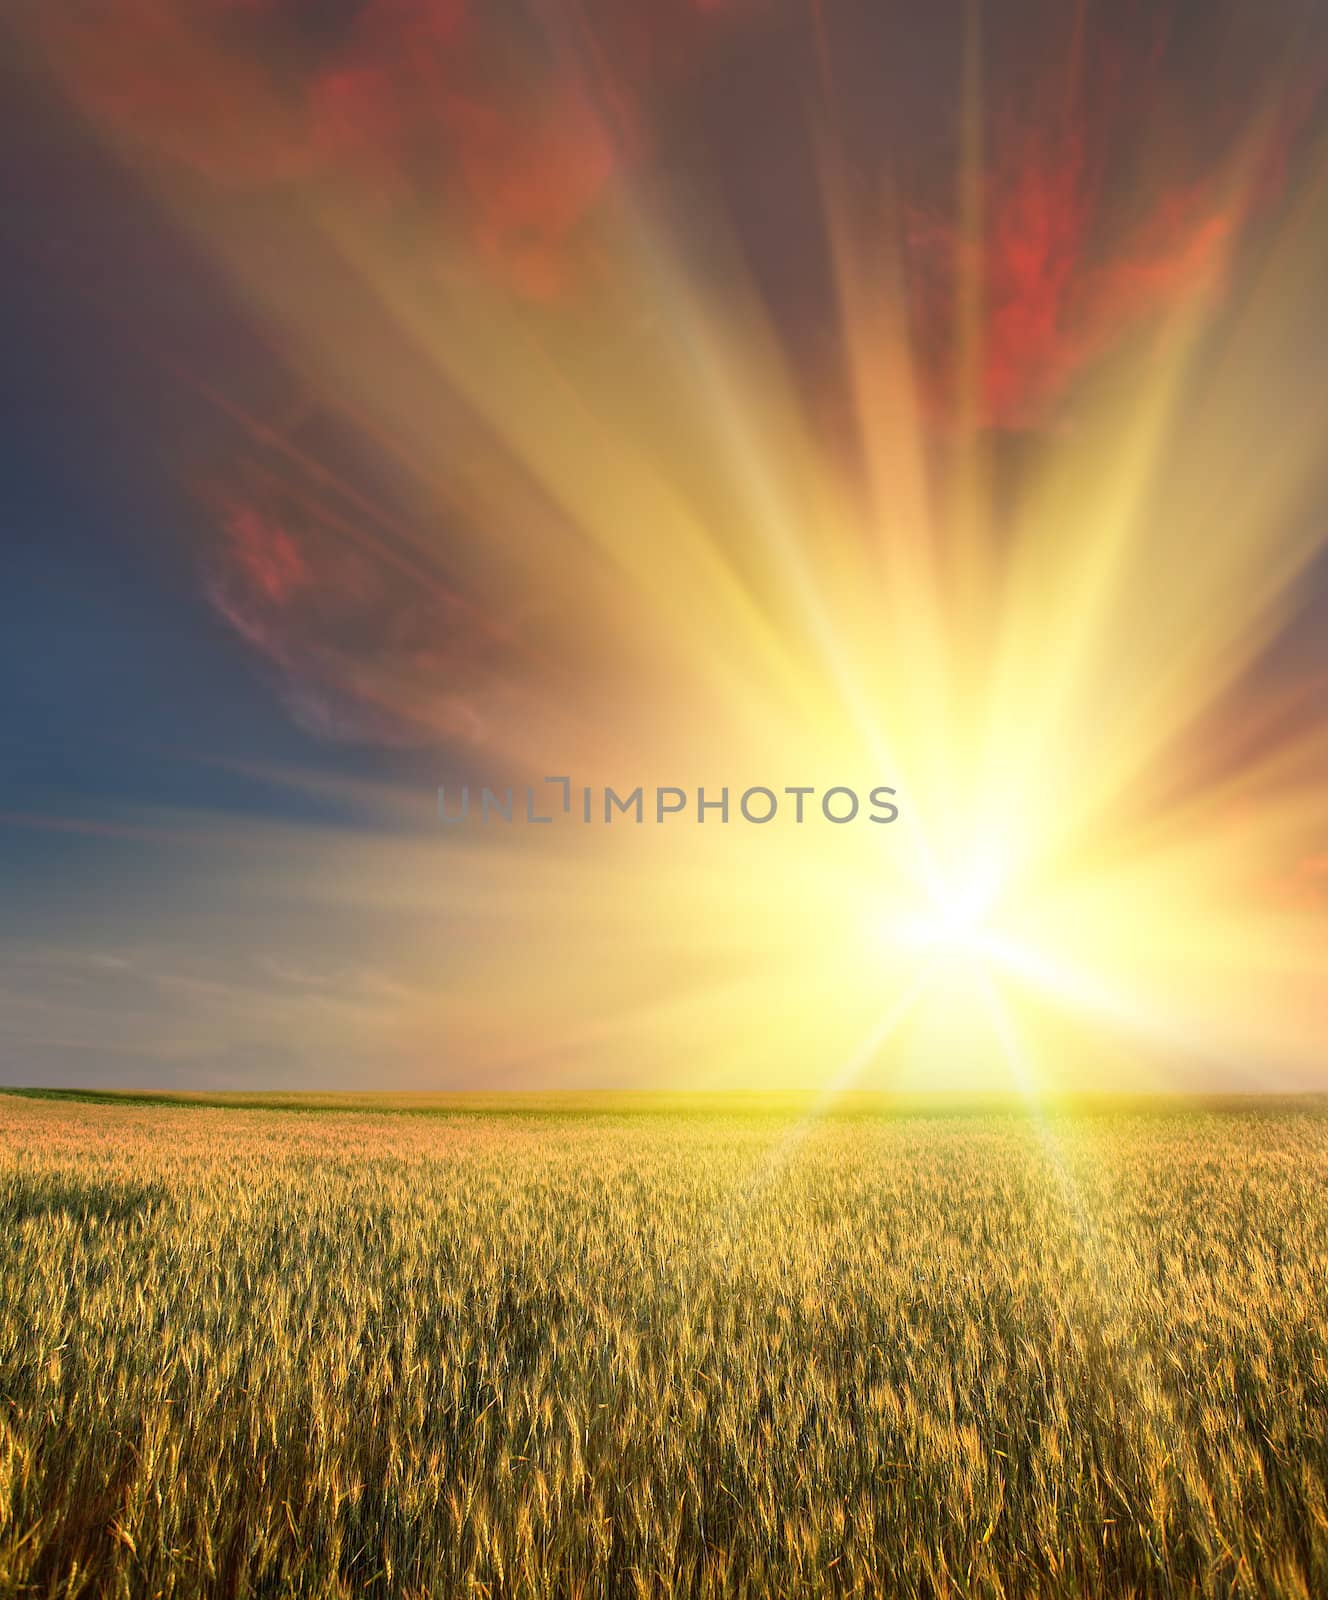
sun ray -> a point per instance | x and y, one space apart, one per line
624 543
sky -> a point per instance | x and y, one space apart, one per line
690 393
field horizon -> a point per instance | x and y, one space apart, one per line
791 1104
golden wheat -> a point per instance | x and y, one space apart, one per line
302 1352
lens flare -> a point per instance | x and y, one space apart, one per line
1024 545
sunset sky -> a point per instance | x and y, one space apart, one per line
675 392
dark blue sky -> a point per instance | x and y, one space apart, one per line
119 684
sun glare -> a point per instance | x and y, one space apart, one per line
1033 606
955 930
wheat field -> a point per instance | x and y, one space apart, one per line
601 1351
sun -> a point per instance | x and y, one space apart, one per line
956 928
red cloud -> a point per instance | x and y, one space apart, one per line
1081 241
420 104
368 644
